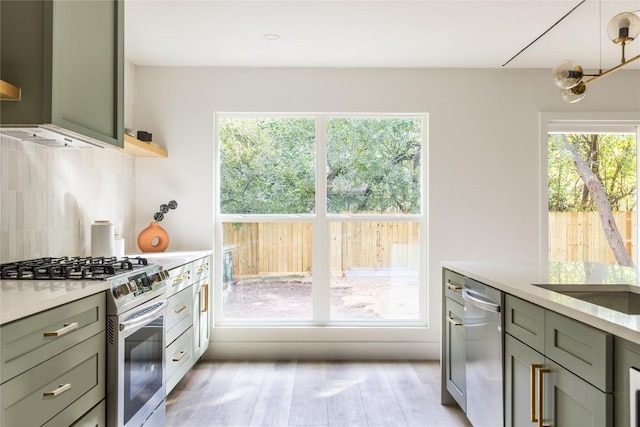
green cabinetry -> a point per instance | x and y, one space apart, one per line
627 356
68 59
53 365
556 368
453 349
188 318
201 306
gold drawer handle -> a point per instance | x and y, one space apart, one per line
61 389
180 310
453 286
68 327
453 321
202 268
206 298
182 354
532 392
177 281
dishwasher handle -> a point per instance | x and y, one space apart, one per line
475 300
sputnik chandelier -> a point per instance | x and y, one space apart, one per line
569 76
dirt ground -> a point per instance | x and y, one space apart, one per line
351 298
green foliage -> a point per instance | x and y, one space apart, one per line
374 165
267 165
611 157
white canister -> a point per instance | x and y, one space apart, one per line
102 243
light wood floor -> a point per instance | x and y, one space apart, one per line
304 393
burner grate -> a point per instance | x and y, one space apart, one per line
70 268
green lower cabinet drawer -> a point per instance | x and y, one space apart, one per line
179 358
585 351
453 284
572 402
179 314
97 417
59 391
525 321
30 341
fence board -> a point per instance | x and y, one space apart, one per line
279 248
578 236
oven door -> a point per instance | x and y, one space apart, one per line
137 366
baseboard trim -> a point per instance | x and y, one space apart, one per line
237 350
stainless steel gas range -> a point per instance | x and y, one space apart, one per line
136 328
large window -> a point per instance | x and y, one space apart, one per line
322 219
592 192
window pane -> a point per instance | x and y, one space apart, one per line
373 165
374 270
575 227
267 270
267 165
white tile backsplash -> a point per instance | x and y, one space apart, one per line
49 197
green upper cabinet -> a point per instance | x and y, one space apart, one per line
68 59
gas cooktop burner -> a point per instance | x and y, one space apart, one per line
70 268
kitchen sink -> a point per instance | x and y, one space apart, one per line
622 298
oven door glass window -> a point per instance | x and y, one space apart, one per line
143 359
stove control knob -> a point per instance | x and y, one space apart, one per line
120 290
132 286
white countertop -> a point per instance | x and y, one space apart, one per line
22 298
519 279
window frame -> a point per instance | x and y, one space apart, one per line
320 222
592 122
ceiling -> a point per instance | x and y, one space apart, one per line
360 33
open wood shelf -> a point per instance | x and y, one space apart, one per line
137 148
9 92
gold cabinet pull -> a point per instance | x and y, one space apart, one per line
453 321
532 392
452 286
541 373
179 358
61 389
203 268
68 327
180 310
177 281
206 298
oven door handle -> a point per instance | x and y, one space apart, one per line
145 318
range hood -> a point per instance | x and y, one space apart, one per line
50 136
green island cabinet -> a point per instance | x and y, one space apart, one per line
52 366
558 371
188 318
67 57
453 352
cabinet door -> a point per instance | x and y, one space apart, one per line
520 361
455 352
202 317
627 355
573 402
87 68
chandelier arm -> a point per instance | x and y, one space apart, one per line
612 70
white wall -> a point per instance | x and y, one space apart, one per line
484 174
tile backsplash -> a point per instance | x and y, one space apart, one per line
49 197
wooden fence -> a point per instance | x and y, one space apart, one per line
285 248
578 236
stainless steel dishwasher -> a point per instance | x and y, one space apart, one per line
483 343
